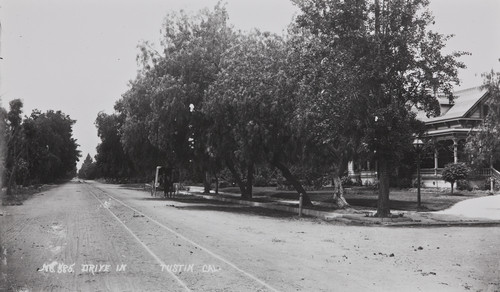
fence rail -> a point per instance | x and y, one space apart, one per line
431 171
495 173
484 172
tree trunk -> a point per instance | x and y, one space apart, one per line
206 182
452 183
248 193
11 180
338 192
216 184
12 176
236 176
306 201
383 209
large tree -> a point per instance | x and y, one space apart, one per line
252 110
396 64
111 159
3 143
40 148
483 144
135 129
14 139
327 112
49 149
163 105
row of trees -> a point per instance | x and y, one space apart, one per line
36 149
341 84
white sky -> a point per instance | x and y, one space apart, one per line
78 56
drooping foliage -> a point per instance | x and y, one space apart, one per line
483 144
328 112
252 110
344 82
163 124
385 51
111 159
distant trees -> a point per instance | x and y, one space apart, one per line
3 144
14 142
111 159
88 169
40 148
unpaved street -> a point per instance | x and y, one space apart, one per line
96 237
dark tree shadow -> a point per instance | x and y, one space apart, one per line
192 203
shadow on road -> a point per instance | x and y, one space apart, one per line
189 203
238 209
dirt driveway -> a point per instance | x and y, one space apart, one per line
96 237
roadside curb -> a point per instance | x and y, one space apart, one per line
270 205
359 219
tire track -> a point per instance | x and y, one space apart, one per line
177 235
156 258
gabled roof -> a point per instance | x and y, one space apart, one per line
464 103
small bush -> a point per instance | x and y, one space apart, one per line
224 184
260 181
415 183
319 183
464 185
346 181
487 184
405 183
374 184
453 172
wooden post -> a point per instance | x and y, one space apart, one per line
418 180
492 186
300 204
455 151
436 161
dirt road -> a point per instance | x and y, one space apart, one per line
96 237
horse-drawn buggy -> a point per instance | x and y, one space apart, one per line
167 181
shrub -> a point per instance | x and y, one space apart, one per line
405 183
260 181
453 172
463 185
346 181
415 183
374 184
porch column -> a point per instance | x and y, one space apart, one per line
492 184
350 168
436 161
455 150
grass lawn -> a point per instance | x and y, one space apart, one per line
366 198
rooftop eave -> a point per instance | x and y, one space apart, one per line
448 132
451 120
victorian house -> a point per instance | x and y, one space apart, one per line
445 138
